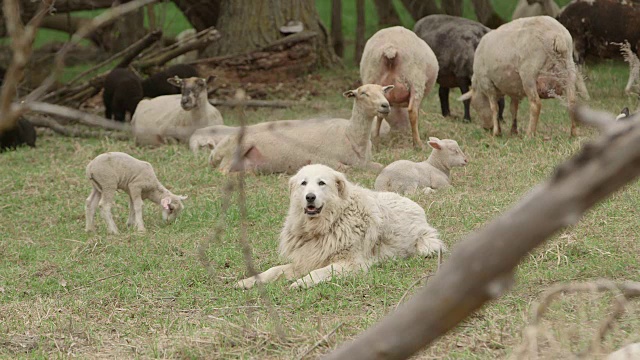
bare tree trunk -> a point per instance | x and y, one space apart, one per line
387 14
421 8
481 266
452 7
62 22
360 27
336 27
486 14
201 14
128 29
249 25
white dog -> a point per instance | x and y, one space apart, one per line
334 227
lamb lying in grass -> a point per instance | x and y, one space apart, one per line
339 143
405 176
113 171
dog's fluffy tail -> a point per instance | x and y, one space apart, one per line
429 244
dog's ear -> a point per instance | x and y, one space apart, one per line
292 182
342 184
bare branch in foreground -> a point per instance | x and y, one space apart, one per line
73 114
481 266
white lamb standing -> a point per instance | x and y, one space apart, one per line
114 171
528 57
397 56
527 8
175 116
404 176
339 143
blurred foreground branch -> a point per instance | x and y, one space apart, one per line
481 266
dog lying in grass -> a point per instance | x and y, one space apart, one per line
335 227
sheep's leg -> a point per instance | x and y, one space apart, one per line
443 93
514 115
106 202
464 83
535 104
268 276
376 138
493 104
132 214
414 108
324 274
137 201
90 209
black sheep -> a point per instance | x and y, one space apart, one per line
157 85
122 93
22 133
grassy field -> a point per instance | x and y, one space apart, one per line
65 293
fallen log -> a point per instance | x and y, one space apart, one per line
46 122
73 114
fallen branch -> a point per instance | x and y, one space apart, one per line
319 342
255 103
162 56
73 114
481 266
43 121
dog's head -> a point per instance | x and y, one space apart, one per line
316 187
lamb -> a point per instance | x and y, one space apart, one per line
405 176
334 142
535 61
156 84
453 40
22 133
160 119
113 171
397 56
122 93
527 8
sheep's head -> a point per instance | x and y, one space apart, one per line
370 98
480 103
449 152
191 88
171 207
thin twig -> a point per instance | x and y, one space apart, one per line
427 276
319 342
95 281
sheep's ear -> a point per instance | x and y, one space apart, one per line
165 202
292 183
350 93
466 96
175 81
435 143
210 80
387 88
342 185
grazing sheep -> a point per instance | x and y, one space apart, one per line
527 8
175 116
156 84
453 40
189 56
397 56
114 171
335 227
534 61
405 176
122 93
335 142
629 352
22 133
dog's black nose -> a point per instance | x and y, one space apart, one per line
310 197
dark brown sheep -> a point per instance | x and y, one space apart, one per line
157 85
23 133
122 93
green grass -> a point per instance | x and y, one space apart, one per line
57 298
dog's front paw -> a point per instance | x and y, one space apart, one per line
245 284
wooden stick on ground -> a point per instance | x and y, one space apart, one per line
81 116
481 266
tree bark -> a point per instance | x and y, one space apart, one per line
250 25
486 14
387 14
127 30
201 14
421 8
360 27
452 7
336 27
481 266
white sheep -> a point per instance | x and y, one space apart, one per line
188 56
339 143
404 176
629 352
397 56
529 57
114 171
175 116
527 8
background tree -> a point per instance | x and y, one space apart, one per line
360 27
337 39
387 14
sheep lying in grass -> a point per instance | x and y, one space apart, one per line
23 133
175 116
113 171
397 56
535 61
122 93
527 8
454 40
338 143
157 85
405 176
